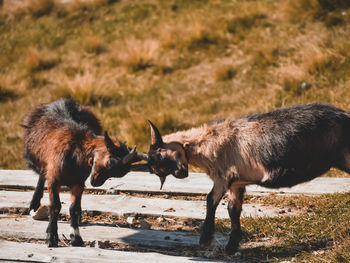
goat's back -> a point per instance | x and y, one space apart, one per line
62 117
63 112
298 143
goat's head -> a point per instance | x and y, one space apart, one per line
166 158
110 160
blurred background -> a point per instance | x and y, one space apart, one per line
179 63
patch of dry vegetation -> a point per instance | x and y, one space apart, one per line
177 63
40 7
7 91
39 60
137 54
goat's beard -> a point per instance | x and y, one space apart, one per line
162 181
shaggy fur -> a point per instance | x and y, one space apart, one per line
281 148
62 145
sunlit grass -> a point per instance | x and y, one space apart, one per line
320 233
179 64
7 92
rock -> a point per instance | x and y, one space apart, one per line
130 220
237 254
170 210
145 225
101 244
160 219
40 214
112 191
93 243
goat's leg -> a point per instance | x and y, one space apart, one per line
343 162
38 194
234 208
55 207
213 199
75 214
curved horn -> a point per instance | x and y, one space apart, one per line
142 156
109 143
155 135
129 156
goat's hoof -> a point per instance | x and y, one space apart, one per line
52 240
231 249
34 206
77 241
52 244
206 240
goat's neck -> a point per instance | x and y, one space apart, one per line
91 144
197 146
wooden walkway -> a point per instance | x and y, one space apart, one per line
17 189
196 183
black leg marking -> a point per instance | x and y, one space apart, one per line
55 208
75 213
208 228
234 209
38 194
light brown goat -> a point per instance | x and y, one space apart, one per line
281 148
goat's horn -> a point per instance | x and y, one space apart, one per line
129 156
142 156
155 135
108 142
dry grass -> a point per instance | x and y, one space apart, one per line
137 54
225 72
93 44
86 88
180 64
6 89
328 11
39 60
40 7
174 63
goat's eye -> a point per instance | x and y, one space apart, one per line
110 163
159 157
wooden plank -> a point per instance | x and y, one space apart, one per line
29 252
26 227
197 183
124 205
133 181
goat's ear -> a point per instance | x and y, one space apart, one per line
90 161
186 145
109 143
155 135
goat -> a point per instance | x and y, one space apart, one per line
280 148
62 145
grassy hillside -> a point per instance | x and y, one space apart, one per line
178 63
181 63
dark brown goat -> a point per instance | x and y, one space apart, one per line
281 148
61 144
